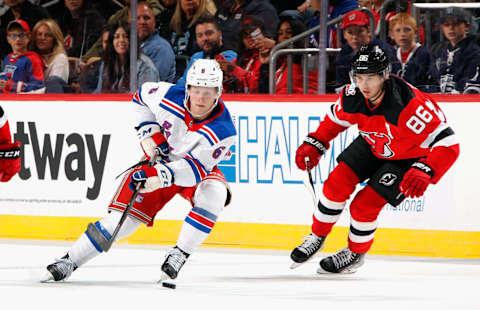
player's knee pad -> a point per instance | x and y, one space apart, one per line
366 205
110 222
211 195
341 183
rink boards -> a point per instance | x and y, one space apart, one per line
75 146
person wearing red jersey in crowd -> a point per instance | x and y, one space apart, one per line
405 144
288 28
9 152
22 70
246 69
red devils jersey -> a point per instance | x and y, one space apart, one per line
406 124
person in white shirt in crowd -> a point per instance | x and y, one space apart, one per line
47 41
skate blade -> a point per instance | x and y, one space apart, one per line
163 277
47 277
295 265
322 271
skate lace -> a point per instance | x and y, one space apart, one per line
343 258
65 266
310 244
176 259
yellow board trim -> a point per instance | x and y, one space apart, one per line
388 241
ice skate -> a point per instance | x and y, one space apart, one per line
174 261
310 246
60 270
344 261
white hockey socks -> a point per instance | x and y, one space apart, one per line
209 199
85 248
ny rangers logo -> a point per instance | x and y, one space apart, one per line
379 143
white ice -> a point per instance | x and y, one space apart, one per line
125 278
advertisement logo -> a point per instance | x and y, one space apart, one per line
264 152
74 151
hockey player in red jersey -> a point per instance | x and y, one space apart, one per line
405 144
198 132
9 152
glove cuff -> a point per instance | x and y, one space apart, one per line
10 150
147 129
423 167
311 140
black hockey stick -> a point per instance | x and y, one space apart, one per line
96 234
310 186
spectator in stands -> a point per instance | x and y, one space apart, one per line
182 26
458 58
18 9
246 69
357 32
122 15
81 26
115 69
335 9
47 41
163 19
299 9
88 80
287 29
154 46
209 39
22 71
232 12
415 62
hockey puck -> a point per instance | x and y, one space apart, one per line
169 285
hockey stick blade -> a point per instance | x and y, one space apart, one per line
99 237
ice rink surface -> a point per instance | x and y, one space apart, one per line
125 278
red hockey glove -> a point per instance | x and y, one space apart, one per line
9 160
311 148
416 180
152 140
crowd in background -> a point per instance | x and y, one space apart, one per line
83 46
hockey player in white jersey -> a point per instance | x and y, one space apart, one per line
192 130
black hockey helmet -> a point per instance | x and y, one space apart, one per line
370 59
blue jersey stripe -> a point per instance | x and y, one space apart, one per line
194 169
167 108
199 163
206 136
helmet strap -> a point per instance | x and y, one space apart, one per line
377 95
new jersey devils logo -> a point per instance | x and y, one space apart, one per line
379 143
388 179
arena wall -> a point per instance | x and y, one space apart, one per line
75 146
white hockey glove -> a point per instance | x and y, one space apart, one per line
152 178
151 138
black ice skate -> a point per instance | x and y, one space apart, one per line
60 270
174 261
344 261
310 246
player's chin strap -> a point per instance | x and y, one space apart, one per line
385 75
378 95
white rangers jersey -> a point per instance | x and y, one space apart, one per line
195 147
